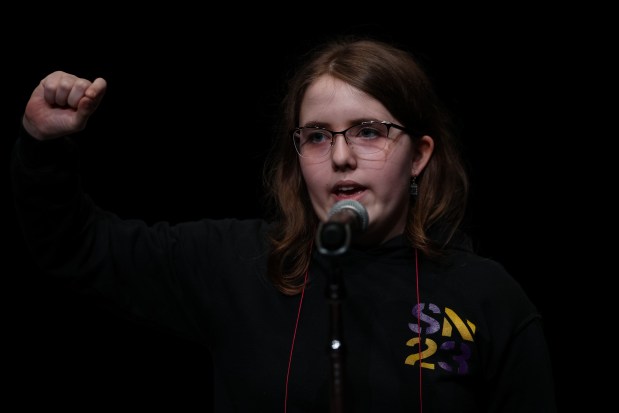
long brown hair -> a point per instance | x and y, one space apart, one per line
392 76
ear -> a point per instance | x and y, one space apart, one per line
424 147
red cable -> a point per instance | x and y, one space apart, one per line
294 336
418 328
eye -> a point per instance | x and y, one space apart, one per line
366 132
316 136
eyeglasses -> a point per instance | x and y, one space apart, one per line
365 138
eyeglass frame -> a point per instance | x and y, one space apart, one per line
343 133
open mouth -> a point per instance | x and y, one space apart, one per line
347 190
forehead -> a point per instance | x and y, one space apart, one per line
331 101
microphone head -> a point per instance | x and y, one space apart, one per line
360 212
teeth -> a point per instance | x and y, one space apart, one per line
347 189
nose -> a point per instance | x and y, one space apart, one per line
341 151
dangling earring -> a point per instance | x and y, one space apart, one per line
414 189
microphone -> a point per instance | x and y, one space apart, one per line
346 219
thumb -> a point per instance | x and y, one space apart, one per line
92 98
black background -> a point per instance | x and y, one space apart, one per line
182 134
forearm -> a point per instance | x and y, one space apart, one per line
50 206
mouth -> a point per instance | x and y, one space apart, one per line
347 191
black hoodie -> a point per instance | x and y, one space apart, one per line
458 335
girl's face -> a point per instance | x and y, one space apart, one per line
381 180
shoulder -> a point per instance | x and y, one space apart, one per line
485 275
461 261
480 281
226 234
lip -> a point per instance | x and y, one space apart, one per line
348 190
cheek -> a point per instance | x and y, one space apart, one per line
315 176
397 183
397 173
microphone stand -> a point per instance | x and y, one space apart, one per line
335 293
333 240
